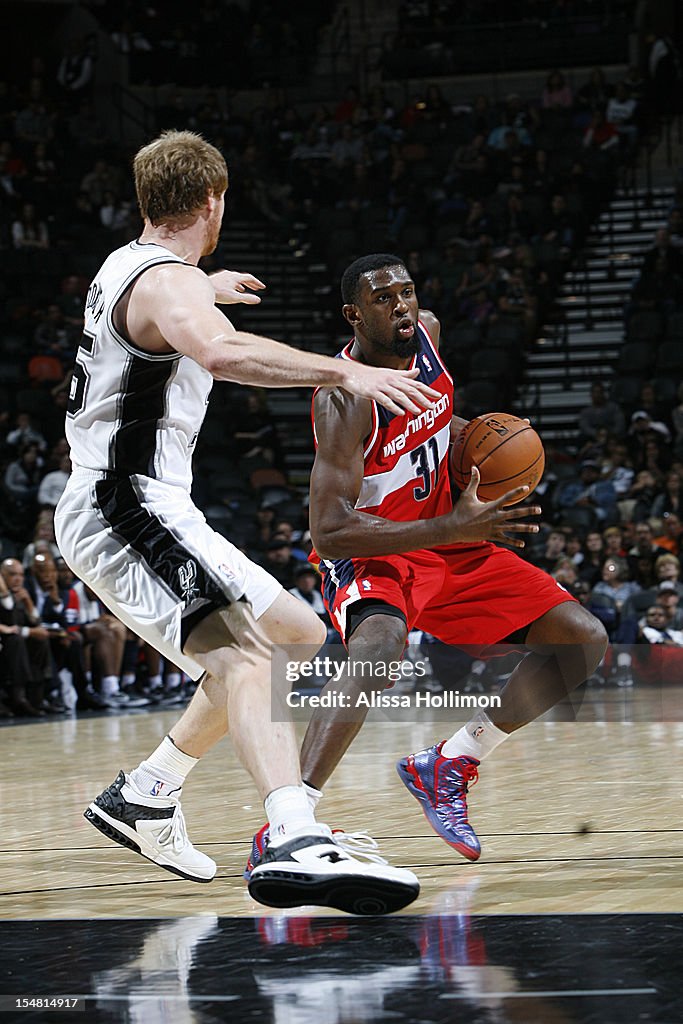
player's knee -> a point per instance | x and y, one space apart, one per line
596 640
378 640
585 630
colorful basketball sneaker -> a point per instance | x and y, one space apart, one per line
258 845
153 826
440 784
315 869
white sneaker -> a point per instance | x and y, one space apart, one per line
315 869
153 826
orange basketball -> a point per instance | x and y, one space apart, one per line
507 451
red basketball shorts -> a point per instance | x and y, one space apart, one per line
476 595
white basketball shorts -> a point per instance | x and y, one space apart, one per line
152 559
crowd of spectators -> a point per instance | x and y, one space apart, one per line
487 202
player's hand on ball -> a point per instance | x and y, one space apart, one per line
231 286
475 520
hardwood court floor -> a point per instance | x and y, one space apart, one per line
574 818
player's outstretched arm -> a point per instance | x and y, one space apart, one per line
174 305
340 530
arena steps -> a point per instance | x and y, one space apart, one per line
585 345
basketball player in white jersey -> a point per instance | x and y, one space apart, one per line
152 346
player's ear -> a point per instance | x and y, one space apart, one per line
351 313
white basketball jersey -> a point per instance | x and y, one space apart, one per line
132 412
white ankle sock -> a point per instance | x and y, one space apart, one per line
164 771
478 738
109 685
172 680
288 810
314 795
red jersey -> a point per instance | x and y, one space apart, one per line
406 457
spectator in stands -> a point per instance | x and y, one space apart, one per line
29 231
668 567
307 588
36 637
565 573
615 582
645 546
52 485
279 561
34 123
655 628
613 543
590 568
557 95
101 179
590 491
517 303
621 112
662 254
671 498
15 670
672 529
669 599
553 552
559 225
602 412
592 95
53 336
43 541
649 403
104 639
600 134
605 610
22 479
25 432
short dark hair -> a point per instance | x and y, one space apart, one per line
350 282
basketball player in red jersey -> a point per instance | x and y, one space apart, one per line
395 555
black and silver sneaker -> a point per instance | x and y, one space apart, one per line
153 826
314 869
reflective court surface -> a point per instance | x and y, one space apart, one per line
572 913
321 970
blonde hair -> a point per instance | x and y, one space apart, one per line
662 560
175 174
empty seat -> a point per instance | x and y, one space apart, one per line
636 357
626 390
645 325
504 334
670 357
674 327
482 396
490 364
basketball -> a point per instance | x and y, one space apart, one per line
507 451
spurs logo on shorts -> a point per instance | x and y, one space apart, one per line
187 576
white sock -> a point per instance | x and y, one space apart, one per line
314 795
164 771
110 685
288 809
127 679
155 682
172 680
478 738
